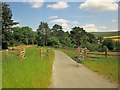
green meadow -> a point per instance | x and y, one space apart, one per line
30 72
104 34
96 61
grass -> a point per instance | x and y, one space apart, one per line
114 38
97 62
108 67
105 34
70 52
29 73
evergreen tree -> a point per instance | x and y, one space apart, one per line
7 24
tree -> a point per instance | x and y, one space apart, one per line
100 39
117 46
64 39
91 38
56 28
78 36
108 43
53 41
7 23
23 35
43 32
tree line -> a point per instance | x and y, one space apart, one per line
46 36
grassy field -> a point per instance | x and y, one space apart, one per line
105 34
96 61
28 73
114 38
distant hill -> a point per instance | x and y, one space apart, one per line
105 34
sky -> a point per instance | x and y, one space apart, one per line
92 16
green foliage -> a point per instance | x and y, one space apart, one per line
99 40
105 34
45 36
22 35
91 38
79 36
7 23
55 29
43 32
91 46
63 37
53 41
117 46
100 48
108 43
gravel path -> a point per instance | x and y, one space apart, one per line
66 74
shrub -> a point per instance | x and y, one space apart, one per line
53 41
108 43
91 46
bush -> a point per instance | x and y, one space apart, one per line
4 45
117 46
108 43
91 46
53 41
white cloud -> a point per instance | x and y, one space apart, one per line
37 3
58 5
90 28
60 21
97 28
53 17
75 22
63 22
113 20
102 27
17 25
66 24
113 30
99 5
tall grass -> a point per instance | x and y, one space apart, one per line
28 73
97 62
105 66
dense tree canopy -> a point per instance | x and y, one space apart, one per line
46 36
108 43
23 35
79 36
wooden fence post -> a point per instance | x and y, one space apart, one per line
22 53
78 52
106 53
85 52
48 51
40 54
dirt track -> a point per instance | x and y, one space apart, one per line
66 74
